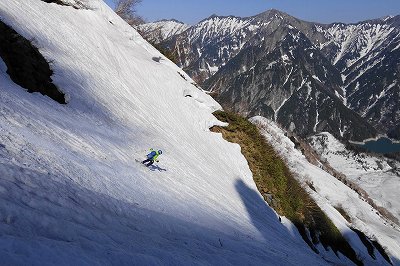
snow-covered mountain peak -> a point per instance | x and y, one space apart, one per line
351 54
394 20
272 14
386 18
162 30
171 20
217 25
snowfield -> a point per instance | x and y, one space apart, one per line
330 193
379 177
71 192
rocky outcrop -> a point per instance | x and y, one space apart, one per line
25 65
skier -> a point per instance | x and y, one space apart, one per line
151 157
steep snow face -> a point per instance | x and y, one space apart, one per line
162 30
330 194
70 189
379 177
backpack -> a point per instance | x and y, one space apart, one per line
151 155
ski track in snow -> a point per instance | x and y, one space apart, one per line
71 191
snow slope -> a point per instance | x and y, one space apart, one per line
70 189
329 193
379 177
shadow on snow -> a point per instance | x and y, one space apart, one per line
48 218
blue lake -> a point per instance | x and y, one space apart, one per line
382 145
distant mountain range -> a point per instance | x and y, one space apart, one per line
159 31
309 77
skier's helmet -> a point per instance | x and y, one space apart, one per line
159 151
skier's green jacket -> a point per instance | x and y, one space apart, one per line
153 155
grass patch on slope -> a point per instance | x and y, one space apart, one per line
278 186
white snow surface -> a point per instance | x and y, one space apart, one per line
330 193
71 192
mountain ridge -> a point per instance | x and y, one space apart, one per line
354 51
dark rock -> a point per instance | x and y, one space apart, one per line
25 65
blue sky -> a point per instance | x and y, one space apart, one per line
324 11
